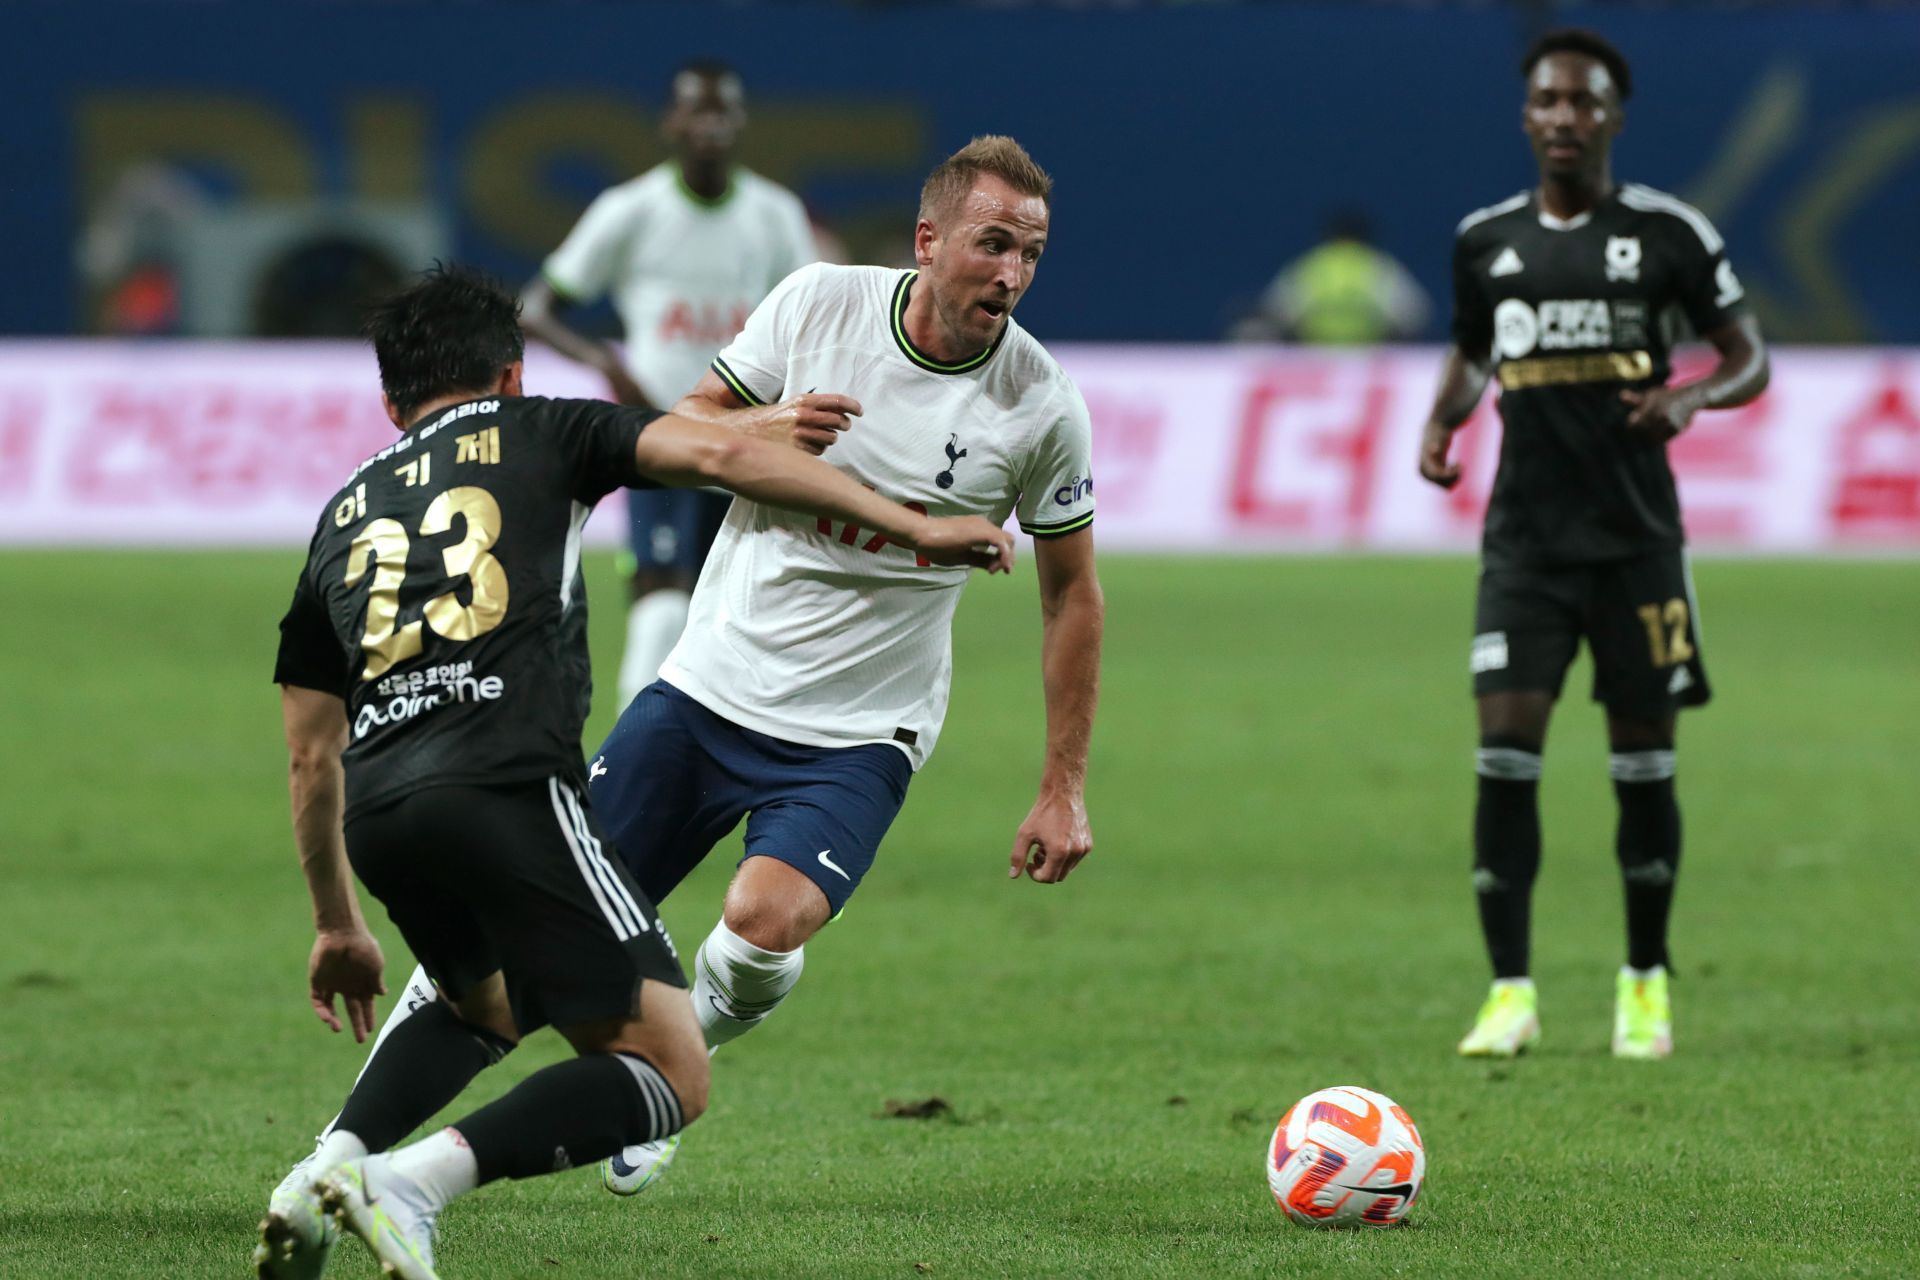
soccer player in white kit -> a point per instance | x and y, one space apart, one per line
686 251
812 678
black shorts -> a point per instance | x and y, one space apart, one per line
1638 618
514 879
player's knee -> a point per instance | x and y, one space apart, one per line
689 1078
1518 718
773 906
487 1008
769 926
772 926
1628 736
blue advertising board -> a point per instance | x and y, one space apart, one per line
1195 149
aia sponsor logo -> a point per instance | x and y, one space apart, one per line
706 324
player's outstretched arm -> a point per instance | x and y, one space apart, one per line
1741 375
682 451
1056 835
346 959
541 306
1463 380
811 422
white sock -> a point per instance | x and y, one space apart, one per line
336 1148
1642 975
1524 984
442 1165
654 624
736 984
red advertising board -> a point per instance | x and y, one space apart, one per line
1196 449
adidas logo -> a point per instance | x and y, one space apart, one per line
1507 264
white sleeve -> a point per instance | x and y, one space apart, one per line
582 268
1056 496
754 364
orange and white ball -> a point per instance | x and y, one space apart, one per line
1346 1157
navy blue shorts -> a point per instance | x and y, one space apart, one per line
673 528
673 779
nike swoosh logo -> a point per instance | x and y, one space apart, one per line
597 769
1403 1190
832 866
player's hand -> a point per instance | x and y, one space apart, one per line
1434 444
965 540
1053 839
811 422
346 963
1659 413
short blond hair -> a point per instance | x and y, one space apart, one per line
992 153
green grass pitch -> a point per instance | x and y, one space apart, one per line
1279 901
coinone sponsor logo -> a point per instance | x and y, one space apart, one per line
1072 491
403 707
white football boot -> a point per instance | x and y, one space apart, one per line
388 1211
638 1167
297 1234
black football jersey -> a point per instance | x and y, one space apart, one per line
442 596
1571 313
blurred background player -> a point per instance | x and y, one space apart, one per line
1345 291
686 250
1568 291
433 721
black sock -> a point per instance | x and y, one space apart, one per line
1648 847
572 1113
1506 850
418 1069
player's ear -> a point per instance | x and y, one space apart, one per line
509 383
393 411
923 238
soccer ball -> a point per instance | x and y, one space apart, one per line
1346 1157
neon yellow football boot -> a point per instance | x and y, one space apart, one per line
1509 1022
1642 1015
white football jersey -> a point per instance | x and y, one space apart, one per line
813 632
684 272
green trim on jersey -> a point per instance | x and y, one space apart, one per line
915 354
1073 525
562 291
732 380
705 202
